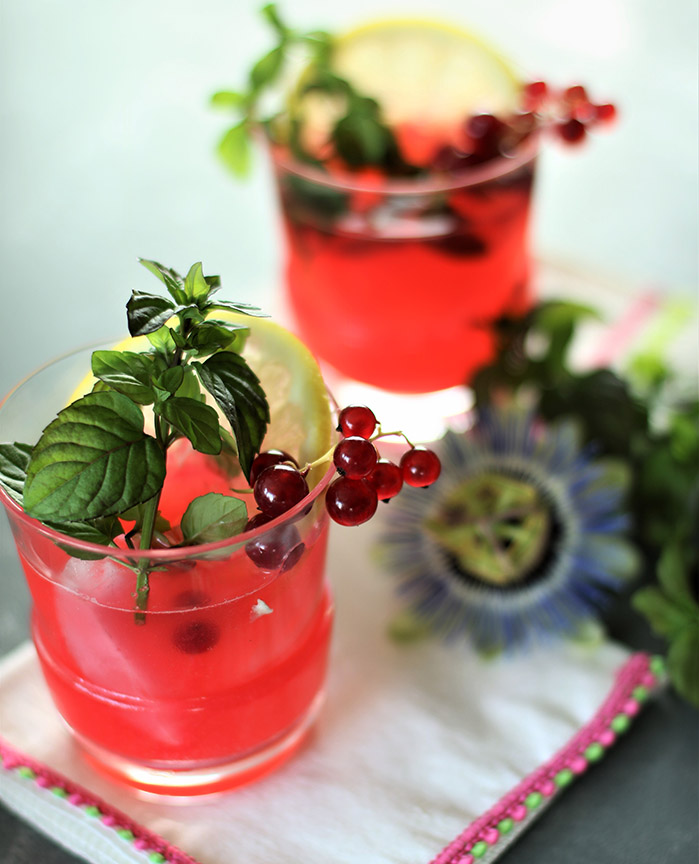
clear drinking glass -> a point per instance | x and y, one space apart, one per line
398 283
217 682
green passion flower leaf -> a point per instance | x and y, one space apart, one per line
147 312
683 663
169 277
673 576
14 461
127 372
665 617
93 460
238 392
193 419
213 517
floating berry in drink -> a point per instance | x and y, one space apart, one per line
279 488
463 243
350 502
484 133
355 457
357 420
386 479
269 457
571 131
276 549
420 467
195 637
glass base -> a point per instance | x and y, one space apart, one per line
424 416
210 779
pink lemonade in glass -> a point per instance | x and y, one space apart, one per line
224 676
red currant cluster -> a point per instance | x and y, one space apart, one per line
570 112
278 484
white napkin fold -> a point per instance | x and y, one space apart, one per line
414 743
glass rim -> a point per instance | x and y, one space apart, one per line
470 176
174 553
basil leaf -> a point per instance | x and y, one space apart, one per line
127 372
190 386
147 312
237 391
213 517
93 460
228 99
195 420
14 460
234 149
169 277
267 68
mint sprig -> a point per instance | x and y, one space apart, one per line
359 137
96 465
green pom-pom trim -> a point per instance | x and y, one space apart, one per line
506 825
640 693
563 778
125 834
93 811
533 800
479 849
59 791
620 723
594 752
26 772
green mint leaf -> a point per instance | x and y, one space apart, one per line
14 461
169 277
242 308
213 517
234 149
229 100
210 336
214 283
170 380
360 139
271 14
673 575
683 663
238 393
127 372
147 312
664 617
190 387
267 68
99 531
137 515
162 340
93 460
195 420
196 288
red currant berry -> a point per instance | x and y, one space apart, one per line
534 95
420 467
350 502
575 94
385 479
571 131
277 548
357 420
264 460
355 457
195 637
279 488
605 113
484 133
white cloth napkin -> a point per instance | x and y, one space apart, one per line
413 744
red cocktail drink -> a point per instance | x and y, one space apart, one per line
399 283
217 681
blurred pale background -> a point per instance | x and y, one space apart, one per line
108 149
